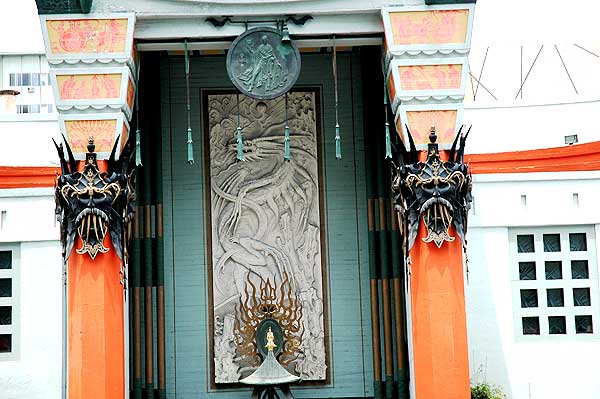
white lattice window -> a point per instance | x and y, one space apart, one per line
555 281
9 304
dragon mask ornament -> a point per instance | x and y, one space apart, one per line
91 204
438 192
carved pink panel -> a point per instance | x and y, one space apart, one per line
130 94
124 135
391 87
103 131
429 27
89 86
420 123
87 35
430 77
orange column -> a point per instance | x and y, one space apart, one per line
439 329
94 82
96 368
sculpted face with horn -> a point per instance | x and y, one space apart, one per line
437 191
91 203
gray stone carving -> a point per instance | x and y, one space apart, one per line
265 219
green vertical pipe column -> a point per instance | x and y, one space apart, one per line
135 276
372 221
384 256
146 203
153 104
398 294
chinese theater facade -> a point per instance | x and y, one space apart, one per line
262 198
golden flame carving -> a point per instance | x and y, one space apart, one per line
269 302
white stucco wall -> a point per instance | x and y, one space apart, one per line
26 140
27 225
540 367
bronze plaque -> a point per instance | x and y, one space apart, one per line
261 65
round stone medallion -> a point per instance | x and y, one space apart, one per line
261 65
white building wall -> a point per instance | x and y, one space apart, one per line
34 372
514 127
525 367
26 140
38 92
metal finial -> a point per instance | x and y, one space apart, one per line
432 135
91 146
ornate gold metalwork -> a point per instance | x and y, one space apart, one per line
267 301
436 191
91 204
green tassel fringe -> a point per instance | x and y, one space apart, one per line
138 151
388 141
240 145
286 143
338 144
190 148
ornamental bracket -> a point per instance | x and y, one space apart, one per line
436 191
91 204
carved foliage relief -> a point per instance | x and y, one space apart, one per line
265 222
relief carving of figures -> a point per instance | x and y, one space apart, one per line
261 64
87 35
264 68
265 220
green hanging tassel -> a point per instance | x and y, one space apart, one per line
190 142
190 147
388 141
138 151
286 142
240 144
338 144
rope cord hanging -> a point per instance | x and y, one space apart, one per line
190 148
286 140
388 140
338 144
240 143
138 133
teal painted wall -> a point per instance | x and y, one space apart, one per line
186 279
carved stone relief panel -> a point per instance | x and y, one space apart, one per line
265 221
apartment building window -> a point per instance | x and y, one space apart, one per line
9 305
28 79
555 281
34 108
